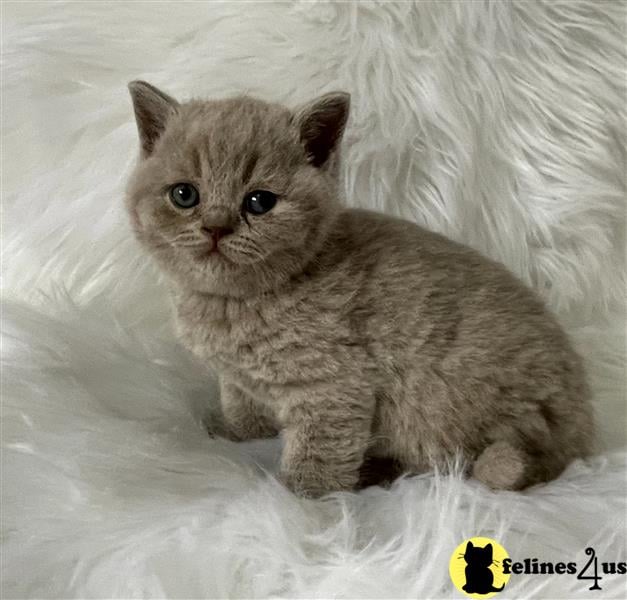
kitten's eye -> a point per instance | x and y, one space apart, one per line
184 195
259 202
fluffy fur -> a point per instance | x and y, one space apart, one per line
111 487
356 334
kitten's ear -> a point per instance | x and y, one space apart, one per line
488 550
321 124
152 108
469 546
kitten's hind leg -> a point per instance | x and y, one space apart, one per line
506 465
532 453
243 418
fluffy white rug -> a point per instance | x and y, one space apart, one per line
501 125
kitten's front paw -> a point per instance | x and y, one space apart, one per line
302 486
310 485
217 428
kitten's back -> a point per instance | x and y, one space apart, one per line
461 336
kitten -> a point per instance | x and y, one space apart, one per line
360 336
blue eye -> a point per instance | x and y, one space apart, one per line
184 195
259 202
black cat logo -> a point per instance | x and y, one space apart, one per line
479 577
476 567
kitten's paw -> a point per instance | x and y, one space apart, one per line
217 426
211 429
312 485
301 486
217 429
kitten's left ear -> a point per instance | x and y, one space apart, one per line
321 125
152 108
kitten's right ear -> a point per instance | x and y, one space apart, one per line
152 108
469 546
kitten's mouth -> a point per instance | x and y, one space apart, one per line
204 250
211 252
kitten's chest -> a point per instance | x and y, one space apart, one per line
216 328
272 341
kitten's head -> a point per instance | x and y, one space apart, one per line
234 196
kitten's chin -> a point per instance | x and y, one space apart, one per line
213 258
212 273
218 274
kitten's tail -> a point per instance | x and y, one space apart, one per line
493 589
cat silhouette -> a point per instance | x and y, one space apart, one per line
479 578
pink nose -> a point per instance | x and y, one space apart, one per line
216 233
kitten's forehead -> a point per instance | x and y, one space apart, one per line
222 131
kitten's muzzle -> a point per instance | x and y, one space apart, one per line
215 234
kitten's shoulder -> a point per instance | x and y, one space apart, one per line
377 233
397 248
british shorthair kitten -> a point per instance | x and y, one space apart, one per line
360 336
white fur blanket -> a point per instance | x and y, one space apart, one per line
500 124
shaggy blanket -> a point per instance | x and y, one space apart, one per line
500 124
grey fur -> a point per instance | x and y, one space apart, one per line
357 334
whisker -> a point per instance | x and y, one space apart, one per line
245 238
190 244
236 244
190 238
249 254
183 235
240 247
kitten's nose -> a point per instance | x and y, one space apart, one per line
216 233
